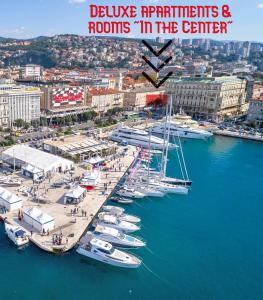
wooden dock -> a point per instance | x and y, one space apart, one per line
70 226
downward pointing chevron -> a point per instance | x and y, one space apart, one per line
157 68
156 83
160 51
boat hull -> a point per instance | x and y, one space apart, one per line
142 144
183 134
89 254
118 243
126 229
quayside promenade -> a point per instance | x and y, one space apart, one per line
70 225
244 136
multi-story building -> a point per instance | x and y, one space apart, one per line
137 99
31 71
61 100
18 102
101 100
211 97
255 111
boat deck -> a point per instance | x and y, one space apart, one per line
70 226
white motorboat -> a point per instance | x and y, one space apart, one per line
105 252
149 192
181 130
119 212
122 216
138 137
116 237
111 207
130 193
158 176
121 200
164 187
16 234
114 222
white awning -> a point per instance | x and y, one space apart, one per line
37 215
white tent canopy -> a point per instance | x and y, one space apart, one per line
23 155
32 169
9 200
38 219
95 160
75 195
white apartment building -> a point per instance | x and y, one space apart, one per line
101 100
211 97
31 71
18 102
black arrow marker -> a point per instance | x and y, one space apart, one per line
156 83
156 69
160 51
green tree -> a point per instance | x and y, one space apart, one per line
74 118
26 125
68 120
43 122
19 123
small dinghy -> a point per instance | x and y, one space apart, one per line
121 200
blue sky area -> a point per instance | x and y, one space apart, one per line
31 18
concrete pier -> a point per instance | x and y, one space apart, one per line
67 225
244 136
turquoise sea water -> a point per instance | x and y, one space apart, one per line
207 245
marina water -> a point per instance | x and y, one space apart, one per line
207 245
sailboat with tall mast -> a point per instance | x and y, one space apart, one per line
158 183
180 155
160 176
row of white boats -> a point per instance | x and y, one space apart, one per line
112 226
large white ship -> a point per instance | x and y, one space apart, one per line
181 130
138 137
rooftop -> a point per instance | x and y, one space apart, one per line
206 80
14 89
101 92
78 144
37 158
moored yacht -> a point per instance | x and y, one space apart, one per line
138 137
147 191
114 222
105 252
158 176
115 237
110 207
119 212
164 187
130 193
121 200
181 130
122 216
16 234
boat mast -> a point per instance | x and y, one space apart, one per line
182 154
162 173
168 133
